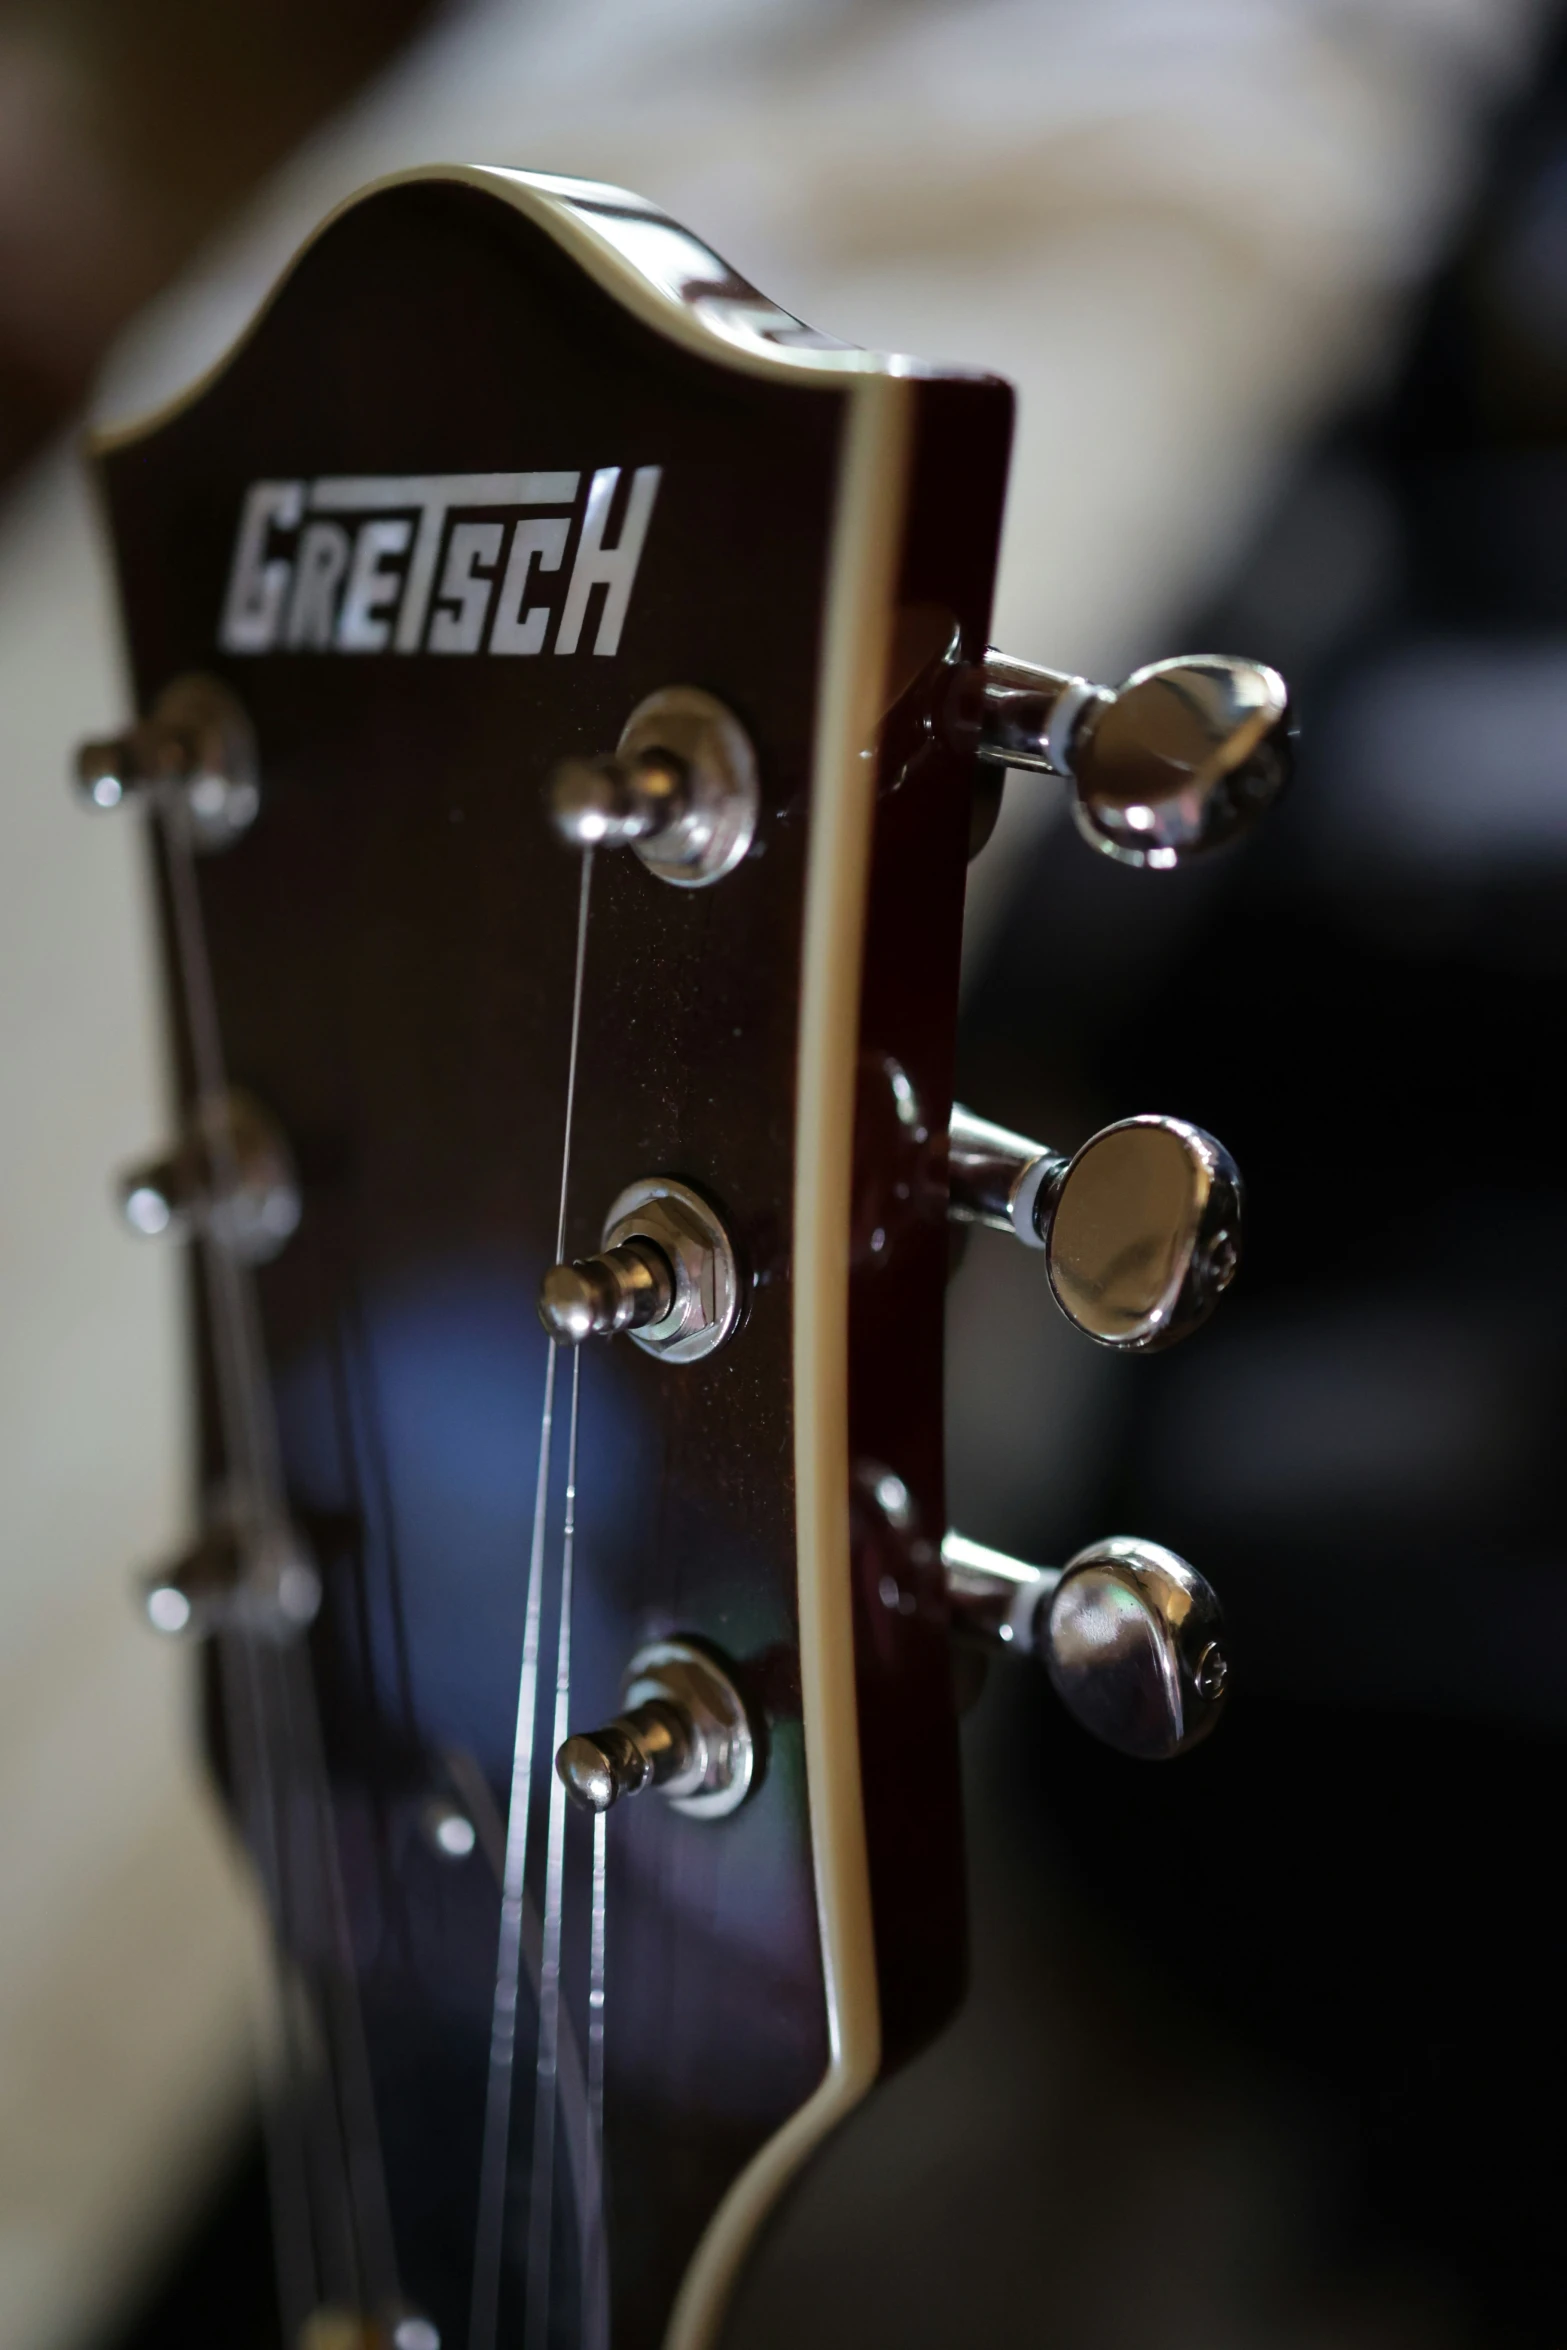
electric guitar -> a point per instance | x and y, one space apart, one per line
565 714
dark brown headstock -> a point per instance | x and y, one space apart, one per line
562 686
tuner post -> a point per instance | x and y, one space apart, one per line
198 743
1131 1636
255 1579
1183 757
230 1176
680 790
667 1274
1140 1229
684 1730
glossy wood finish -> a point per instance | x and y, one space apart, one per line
392 950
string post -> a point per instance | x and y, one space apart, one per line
646 1748
594 1297
668 1275
197 745
611 803
230 1177
685 1730
234 1578
680 790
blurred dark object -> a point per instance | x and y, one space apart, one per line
219 2287
127 131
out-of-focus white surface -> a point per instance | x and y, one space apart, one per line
123 1934
1181 226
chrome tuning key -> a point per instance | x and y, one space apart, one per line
198 741
680 790
1140 1229
231 1175
683 1730
1183 757
1130 1635
667 1274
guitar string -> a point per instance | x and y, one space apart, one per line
595 2250
283 2119
571 2081
542 2176
350 2202
494 2159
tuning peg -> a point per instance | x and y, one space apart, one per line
230 1175
1180 759
198 742
684 1730
680 790
666 1273
1140 1229
1131 1636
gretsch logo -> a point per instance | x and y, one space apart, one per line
402 563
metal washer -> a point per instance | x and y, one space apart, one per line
693 1236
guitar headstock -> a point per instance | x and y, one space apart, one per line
563 689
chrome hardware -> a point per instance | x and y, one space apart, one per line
1131 1636
447 1829
1140 1228
624 1289
232 1176
667 1274
684 1730
1183 757
680 790
332 2328
263 1583
998 1178
197 741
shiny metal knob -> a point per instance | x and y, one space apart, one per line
1130 1635
1140 1228
680 790
1182 758
684 1730
259 1580
231 1176
667 1274
198 742
594 1297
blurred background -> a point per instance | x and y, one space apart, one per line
1265 2049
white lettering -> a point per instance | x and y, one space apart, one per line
432 496
367 583
318 574
371 591
460 631
516 631
613 567
256 586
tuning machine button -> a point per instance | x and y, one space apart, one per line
1130 1635
231 1175
198 742
680 790
684 1730
667 1274
1140 1228
1183 757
